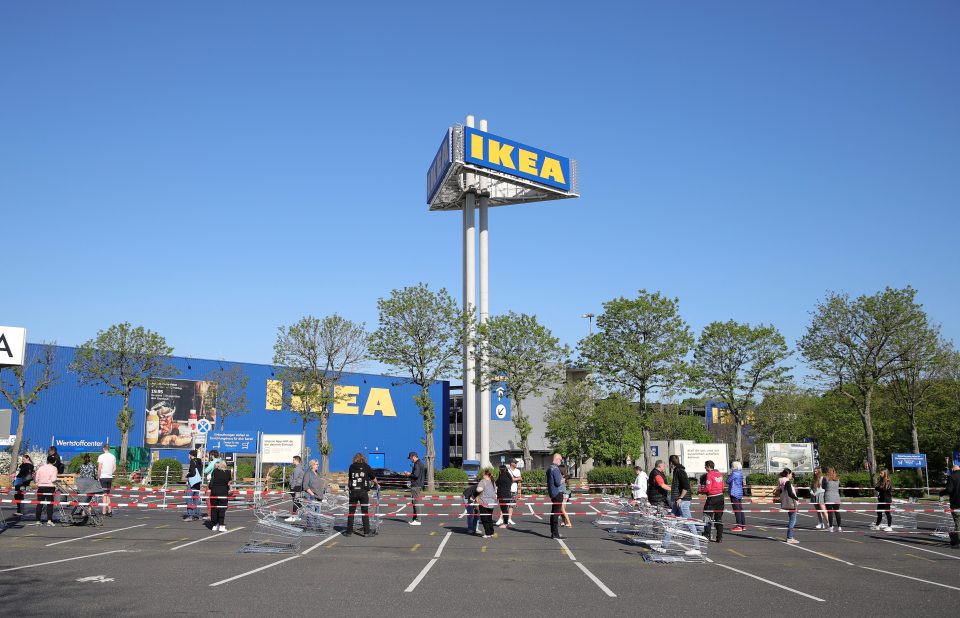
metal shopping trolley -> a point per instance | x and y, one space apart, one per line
670 538
79 505
271 535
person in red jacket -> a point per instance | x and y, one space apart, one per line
711 484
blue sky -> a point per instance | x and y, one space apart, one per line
214 170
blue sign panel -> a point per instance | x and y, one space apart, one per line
909 460
77 444
500 402
232 441
441 163
510 157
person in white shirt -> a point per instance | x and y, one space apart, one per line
639 486
106 467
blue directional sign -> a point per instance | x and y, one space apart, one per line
232 441
500 402
909 460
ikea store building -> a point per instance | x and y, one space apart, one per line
374 414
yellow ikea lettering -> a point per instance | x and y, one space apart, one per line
476 146
345 399
274 395
379 400
528 162
551 169
500 154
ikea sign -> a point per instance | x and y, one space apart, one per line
503 155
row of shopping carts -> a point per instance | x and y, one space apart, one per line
670 538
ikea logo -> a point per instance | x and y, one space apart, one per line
510 157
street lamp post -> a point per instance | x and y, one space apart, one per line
590 317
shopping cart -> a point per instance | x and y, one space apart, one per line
79 505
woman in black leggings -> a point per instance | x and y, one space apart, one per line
220 480
884 500
831 495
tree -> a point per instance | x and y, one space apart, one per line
569 420
775 417
923 359
311 357
618 431
670 425
733 361
524 354
420 333
35 376
855 345
228 390
639 346
120 359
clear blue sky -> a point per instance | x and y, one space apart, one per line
213 170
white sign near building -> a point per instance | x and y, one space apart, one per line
279 448
798 456
13 346
692 456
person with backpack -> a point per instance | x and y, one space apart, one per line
788 502
831 496
194 482
735 483
22 482
884 501
711 484
359 479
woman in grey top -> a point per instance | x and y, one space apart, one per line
487 502
831 495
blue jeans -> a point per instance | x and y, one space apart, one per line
681 508
193 501
791 524
472 518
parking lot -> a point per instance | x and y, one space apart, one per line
152 563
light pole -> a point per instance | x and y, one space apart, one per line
590 317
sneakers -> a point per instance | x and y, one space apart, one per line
692 552
874 526
215 529
223 529
887 529
50 523
291 519
499 522
819 527
415 522
487 536
793 541
511 522
737 529
833 528
563 525
839 529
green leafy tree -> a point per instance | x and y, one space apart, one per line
670 425
733 362
855 345
923 359
569 420
618 431
120 359
525 354
639 346
22 385
420 334
228 391
311 357
775 418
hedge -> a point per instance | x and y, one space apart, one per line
535 482
621 476
450 477
278 479
244 471
159 472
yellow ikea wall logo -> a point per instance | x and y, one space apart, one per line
498 153
346 400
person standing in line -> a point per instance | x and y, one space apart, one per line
657 489
816 498
504 480
46 484
564 517
296 487
735 484
314 483
213 458
87 469
106 467
555 490
884 501
417 476
220 481
711 484
22 482
788 502
831 496
58 463
359 478
516 479
194 483
469 497
638 488
487 500
680 496
952 491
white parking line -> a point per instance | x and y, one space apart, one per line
442 543
400 510
90 536
767 581
596 580
207 538
930 551
927 581
595 510
566 549
827 556
263 568
532 512
30 566
413 585
310 549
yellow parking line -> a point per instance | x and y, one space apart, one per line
178 540
433 533
332 544
920 557
163 526
851 540
733 551
483 549
415 547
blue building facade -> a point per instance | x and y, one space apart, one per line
376 414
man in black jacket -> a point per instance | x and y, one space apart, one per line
417 476
359 479
680 497
952 490
194 481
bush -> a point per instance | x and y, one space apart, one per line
758 478
77 460
534 482
620 476
451 477
244 471
278 479
159 473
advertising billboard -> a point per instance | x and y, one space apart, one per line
280 448
13 346
174 407
694 455
798 456
519 160
440 165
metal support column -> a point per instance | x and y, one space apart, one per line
469 309
484 391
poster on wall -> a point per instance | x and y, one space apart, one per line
693 457
798 456
174 407
280 448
